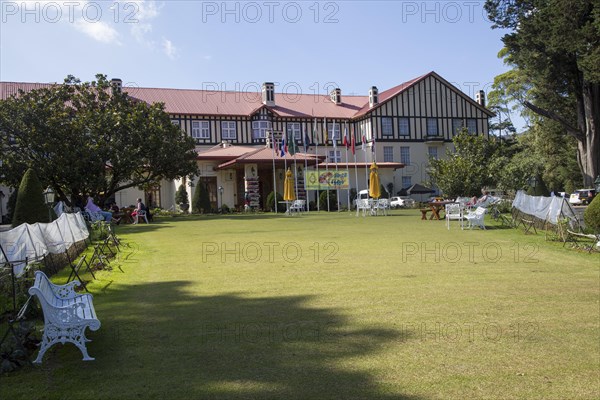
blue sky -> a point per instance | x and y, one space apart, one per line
305 46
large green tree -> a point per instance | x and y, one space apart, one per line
555 46
465 171
90 138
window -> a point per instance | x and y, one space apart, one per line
388 154
386 126
405 155
335 156
260 128
294 129
200 130
472 126
228 130
403 127
333 130
406 181
433 152
457 125
432 127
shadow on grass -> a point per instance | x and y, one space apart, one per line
159 341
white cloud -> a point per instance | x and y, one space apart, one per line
99 31
144 12
169 49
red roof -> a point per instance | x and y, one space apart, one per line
265 155
207 102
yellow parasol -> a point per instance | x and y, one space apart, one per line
288 187
374 187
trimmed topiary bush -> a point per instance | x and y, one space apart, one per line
270 205
201 200
30 207
591 215
332 200
181 198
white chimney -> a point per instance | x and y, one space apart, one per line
117 83
480 98
336 96
373 96
268 94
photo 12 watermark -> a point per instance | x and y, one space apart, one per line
52 12
253 12
269 252
454 332
468 252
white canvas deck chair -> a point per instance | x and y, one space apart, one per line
454 212
476 218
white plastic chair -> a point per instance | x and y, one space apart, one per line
383 205
298 206
141 213
476 218
454 212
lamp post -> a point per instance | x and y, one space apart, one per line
49 198
221 194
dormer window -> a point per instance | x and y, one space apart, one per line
268 94
373 96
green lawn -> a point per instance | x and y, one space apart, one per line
330 306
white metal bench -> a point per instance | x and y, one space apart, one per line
66 314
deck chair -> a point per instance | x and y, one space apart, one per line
383 205
141 213
298 206
476 218
454 212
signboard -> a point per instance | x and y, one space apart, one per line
327 180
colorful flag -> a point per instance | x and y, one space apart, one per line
283 146
373 145
346 142
353 143
334 136
325 135
276 145
291 144
363 140
306 139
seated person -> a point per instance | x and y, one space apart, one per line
117 214
93 208
141 207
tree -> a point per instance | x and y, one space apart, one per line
89 138
201 200
181 197
30 207
466 170
555 46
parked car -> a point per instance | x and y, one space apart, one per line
401 201
582 196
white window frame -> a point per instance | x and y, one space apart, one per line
432 127
334 134
388 153
260 128
472 129
387 126
456 129
334 156
228 130
432 152
295 129
401 122
406 181
405 155
201 129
